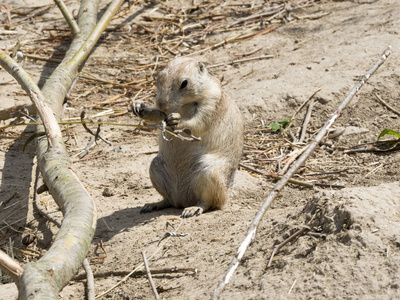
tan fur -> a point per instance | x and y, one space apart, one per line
195 175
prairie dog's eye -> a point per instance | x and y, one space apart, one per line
184 84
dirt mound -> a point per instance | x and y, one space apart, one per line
349 252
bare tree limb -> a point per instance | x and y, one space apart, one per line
68 17
46 277
251 231
89 274
53 271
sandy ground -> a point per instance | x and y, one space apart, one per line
352 250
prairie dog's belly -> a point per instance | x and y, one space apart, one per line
181 156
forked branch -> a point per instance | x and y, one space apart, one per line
46 277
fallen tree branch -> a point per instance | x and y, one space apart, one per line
137 273
251 231
46 277
89 274
68 17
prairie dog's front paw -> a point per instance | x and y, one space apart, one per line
138 108
173 120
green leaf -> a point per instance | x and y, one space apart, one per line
279 125
390 132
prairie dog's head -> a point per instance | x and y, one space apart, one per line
185 81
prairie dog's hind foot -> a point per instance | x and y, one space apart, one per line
155 206
193 211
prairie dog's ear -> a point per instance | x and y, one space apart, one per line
201 66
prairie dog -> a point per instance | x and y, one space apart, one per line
194 175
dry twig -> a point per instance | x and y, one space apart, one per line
306 121
258 16
289 239
137 273
276 176
387 105
240 61
379 146
146 265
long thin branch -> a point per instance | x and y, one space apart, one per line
114 273
251 231
386 104
84 51
10 266
153 287
68 17
90 280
